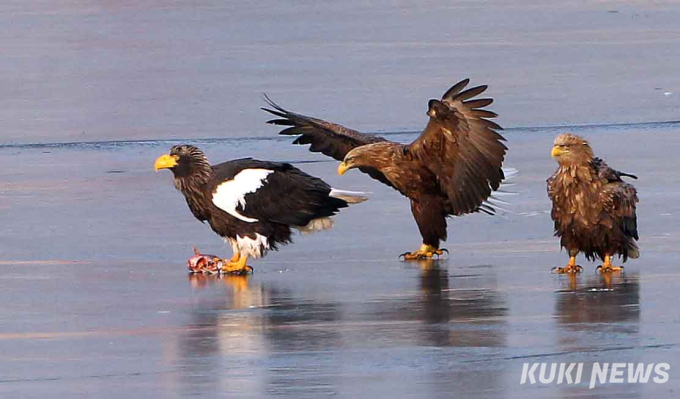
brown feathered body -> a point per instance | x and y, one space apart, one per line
594 210
450 169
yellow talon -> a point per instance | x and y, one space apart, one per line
424 252
237 266
607 266
571 267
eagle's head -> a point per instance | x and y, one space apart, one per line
570 149
184 161
369 155
437 109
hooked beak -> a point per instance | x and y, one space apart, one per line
342 168
556 152
166 161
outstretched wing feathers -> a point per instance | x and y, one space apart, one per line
455 89
462 147
327 138
479 103
467 94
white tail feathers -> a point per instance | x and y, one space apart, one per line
316 225
351 197
494 202
510 173
633 250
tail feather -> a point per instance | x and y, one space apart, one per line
633 250
494 201
510 174
316 225
351 197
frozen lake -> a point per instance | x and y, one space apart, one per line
96 300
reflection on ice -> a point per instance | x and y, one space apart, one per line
600 315
273 339
604 298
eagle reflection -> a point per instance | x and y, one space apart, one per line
604 298
596 318
464 310
240 327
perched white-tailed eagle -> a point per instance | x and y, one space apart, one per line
450 170
593 208
253 204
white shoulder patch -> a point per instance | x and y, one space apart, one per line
230 194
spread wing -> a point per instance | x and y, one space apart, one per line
461 146
327 138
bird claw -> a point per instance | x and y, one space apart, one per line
227 270
420 254
412 256
567 269
609 269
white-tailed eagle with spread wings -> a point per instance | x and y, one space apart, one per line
451 169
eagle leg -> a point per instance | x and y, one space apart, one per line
571 267
424 252
607 266
237 266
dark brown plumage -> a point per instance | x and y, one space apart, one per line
451 169
593 208
254 205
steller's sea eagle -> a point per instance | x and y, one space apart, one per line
451 169
253 204
593 208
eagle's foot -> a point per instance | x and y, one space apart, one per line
567 269
237 266
236 269
424 252
607 267
571 267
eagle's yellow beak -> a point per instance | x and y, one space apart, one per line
556 151
165 162
342 168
